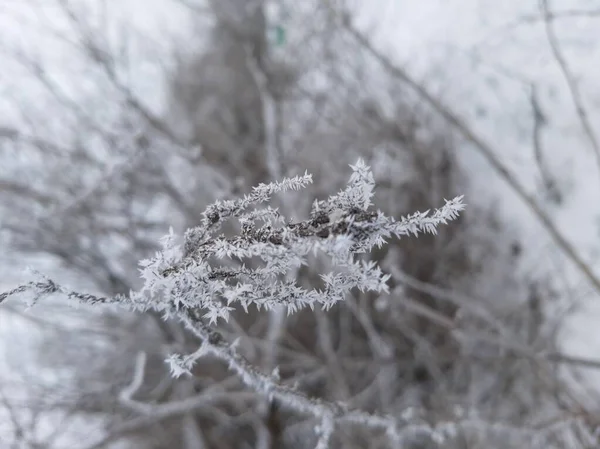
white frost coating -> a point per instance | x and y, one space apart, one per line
184 276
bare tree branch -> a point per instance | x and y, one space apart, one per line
570 80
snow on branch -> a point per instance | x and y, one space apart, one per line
199 272
200 277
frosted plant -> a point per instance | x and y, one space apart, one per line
200 277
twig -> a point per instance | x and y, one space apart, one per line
539 123
570 79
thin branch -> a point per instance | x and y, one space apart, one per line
570 79
529 19
539 123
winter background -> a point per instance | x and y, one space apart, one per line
522 74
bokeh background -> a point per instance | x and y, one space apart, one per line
121 119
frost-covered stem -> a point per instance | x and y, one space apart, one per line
325 431
48 287
214 344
